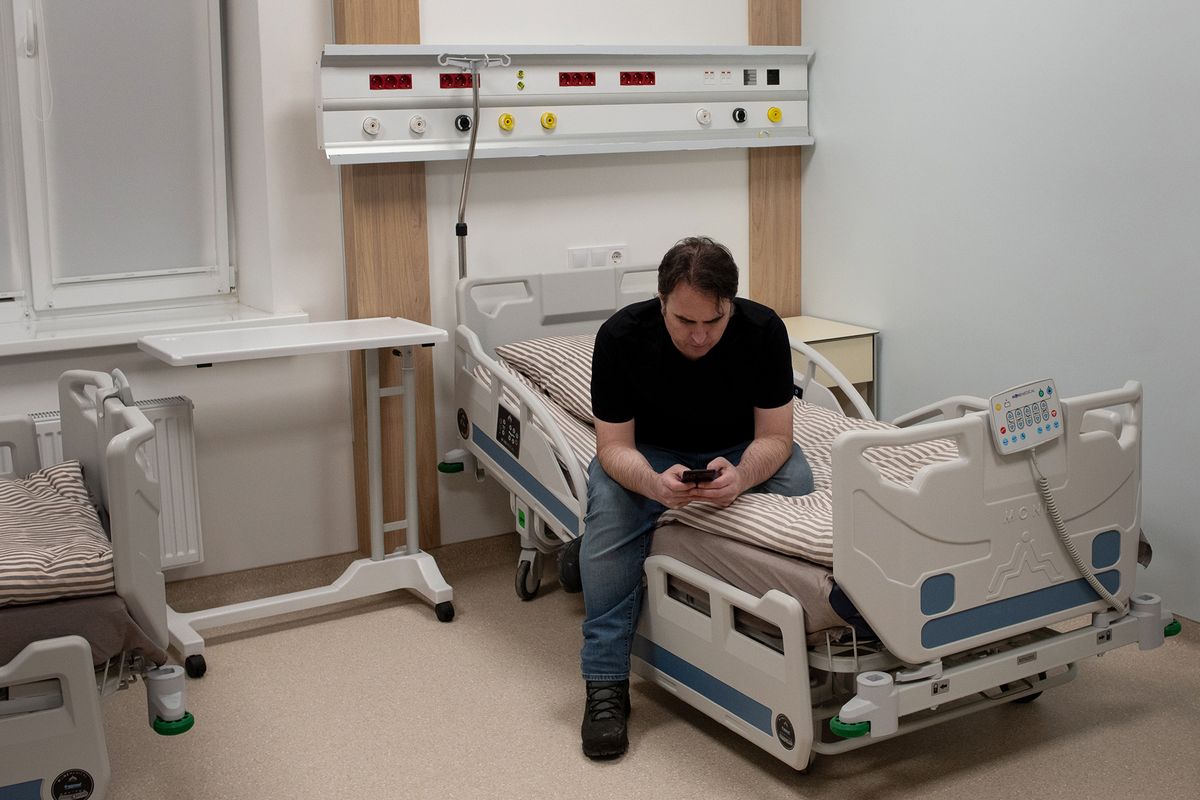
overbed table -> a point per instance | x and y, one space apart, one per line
409 568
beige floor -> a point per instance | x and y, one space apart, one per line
382 701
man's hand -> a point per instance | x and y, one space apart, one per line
672 492
722 490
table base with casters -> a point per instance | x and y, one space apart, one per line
408 567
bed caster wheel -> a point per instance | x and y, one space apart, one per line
194 666
444 611
1029 698
528 580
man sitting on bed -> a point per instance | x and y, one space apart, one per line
696 378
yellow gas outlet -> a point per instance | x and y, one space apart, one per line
774 113
549 121
507 123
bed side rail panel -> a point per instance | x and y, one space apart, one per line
503 309
77 405
814 392
541 467
133 507
35 743
966 554
18 437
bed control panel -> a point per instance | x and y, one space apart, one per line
508 431
1025 416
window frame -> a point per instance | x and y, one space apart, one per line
47 291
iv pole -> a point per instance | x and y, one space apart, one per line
472 63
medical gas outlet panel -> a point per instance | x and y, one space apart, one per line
381 103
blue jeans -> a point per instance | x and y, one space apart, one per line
617 531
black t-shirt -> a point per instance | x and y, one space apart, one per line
699 406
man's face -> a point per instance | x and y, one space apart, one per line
695 320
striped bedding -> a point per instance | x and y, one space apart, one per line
559 368
52 544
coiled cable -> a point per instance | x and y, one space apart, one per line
1061 529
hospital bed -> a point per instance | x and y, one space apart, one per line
82 597
944 591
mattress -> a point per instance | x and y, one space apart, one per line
756 571
103 620
559 368
52 544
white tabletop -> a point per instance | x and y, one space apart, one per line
244 344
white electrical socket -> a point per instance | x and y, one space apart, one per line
608 255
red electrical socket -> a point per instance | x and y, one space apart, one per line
576 79
643 78
391 81
456 80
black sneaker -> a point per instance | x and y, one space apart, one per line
568 566
604 732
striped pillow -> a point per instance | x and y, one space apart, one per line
561 366
51 542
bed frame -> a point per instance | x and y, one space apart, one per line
51 731
959 573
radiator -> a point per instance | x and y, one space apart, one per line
172 461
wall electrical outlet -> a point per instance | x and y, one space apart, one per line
606 255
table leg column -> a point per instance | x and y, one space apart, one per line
411 499
374 455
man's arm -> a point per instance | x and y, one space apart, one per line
771 448
620 458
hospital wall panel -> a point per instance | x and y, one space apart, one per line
1008 190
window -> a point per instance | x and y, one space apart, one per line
120 171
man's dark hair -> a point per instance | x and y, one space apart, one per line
701 262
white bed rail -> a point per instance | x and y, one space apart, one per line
18 446
106 436
545 452
950 408
965 554
818 394
755 691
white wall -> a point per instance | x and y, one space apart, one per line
524 213
1010 190
273 437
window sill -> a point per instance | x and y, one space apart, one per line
109 330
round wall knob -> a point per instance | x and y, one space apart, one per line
704 116
462 123
371 126
739 114
417 124
774 113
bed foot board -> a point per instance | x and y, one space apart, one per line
62 743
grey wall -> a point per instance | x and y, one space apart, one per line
1010 190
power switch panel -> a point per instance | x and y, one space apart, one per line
455 80
1026 416
576 79
642 78
390 81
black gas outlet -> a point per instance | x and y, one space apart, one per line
462 122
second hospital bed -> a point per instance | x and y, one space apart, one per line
82 596
936 596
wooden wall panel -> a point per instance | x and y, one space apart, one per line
387 274
775 182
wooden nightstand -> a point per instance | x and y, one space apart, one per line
851 348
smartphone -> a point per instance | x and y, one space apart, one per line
698 475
